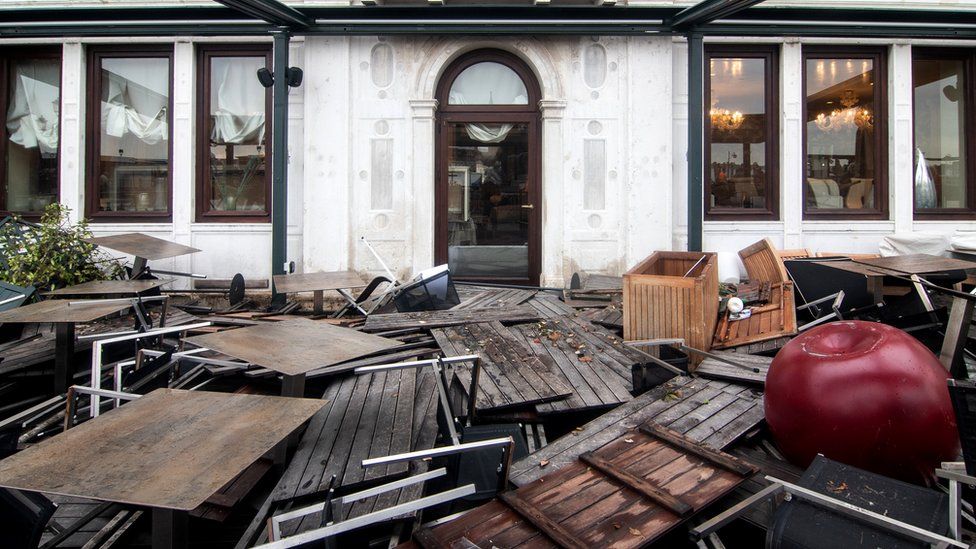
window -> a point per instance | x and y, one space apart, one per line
30 95
129 137
845 135
233 177
943 175
741 179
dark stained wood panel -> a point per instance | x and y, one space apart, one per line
143 245
495 298
309 282
712 412
293 347
609 317
451 317
510 376
593 361
61 310
169 449
627 493
746 372
918 263
110 287
548 306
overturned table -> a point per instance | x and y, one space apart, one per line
318 283
110 288
64 314
169 450
143 248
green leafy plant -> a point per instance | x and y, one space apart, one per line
54 253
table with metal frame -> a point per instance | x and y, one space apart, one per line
104 288
338 281
144 248
64 314
169 451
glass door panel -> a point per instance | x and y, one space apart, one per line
488 204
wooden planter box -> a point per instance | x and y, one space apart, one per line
662 299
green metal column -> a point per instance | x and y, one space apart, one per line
696 123
279 163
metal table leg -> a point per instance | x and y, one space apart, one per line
64 356
957 330
317 301
169 529
955 510
291 386
138 265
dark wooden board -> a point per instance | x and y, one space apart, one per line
110 287
918 263
310 282
510 377
452 317
716 369
549 306
495 298
712 412
609 317
594 362
169 449
293 346
142 245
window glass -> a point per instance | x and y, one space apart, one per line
841 142
737 135
132 164
488 83
236 149
940 139
33 127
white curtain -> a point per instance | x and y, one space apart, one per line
32 117
239 108
488 84
133 109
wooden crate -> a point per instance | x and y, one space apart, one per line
771 321
662 299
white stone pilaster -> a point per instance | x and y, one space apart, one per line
792 157
422 120
901 192
72 160
555 233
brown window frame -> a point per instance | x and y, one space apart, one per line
6 54
203 186
92 125
879 57
968 57
771 55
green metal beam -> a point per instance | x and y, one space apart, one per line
279 163
271 11
696 143
707 11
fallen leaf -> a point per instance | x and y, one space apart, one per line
543 463
616 525
536 340
635 532
838 488
554 336
629 440
586 359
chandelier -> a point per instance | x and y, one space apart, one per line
726 120
851 115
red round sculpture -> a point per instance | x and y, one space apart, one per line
864 394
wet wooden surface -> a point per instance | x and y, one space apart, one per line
293 347
310 282
712 412
593 361
626 493
450 317
510 376
110 287
61 310
142 245
170 449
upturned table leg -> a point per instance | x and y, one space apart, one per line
64 356
169 529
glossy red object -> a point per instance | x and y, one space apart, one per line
865 394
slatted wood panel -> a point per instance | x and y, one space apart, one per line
495 298
510 377
716 369
549 306
662 299
848 255
771 321
594 361
609 317
798 253
625 494
452 317
712 412
762 262
603 282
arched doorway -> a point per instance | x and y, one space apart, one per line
487 210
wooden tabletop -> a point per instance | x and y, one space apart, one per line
293 347
170 449
111 287
142 245
61 310
310 282
919 263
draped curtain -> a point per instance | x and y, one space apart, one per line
130 108
488 83
238 109
32 117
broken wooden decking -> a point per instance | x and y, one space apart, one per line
450 317
627 493
500 298
714 413
752 368
510 377
369 415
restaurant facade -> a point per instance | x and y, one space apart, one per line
520 156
